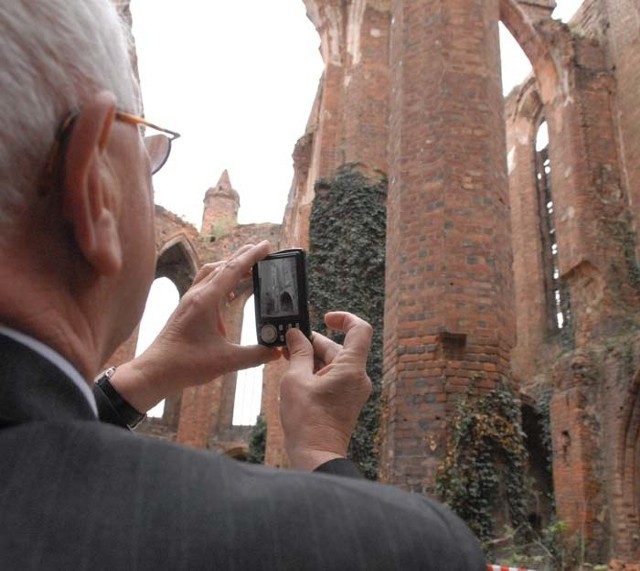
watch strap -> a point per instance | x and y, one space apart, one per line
112 407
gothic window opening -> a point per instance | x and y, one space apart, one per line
163 299
556 292
539 469
248 396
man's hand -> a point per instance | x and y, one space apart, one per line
192 348
324 390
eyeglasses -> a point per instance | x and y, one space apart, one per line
158 145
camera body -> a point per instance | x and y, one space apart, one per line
280 294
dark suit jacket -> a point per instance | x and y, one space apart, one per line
76 493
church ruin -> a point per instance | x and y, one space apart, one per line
507 261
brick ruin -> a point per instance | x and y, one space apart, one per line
505 261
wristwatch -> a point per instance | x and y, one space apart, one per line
112 407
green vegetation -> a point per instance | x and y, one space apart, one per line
257 441
554 549
346 272
485 463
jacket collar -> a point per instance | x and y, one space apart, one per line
32 388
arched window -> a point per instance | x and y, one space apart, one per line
248 398
163 299
556 293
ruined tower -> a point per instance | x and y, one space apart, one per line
221 205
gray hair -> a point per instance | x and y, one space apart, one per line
54 55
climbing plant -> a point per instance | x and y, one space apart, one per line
543 407
485 462
257 441
346 272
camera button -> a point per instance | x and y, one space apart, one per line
268 333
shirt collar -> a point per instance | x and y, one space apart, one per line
53 357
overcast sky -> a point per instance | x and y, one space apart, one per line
237 79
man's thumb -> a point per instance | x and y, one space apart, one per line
300 351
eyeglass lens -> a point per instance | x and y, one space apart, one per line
158 147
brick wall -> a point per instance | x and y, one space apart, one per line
592 369
623 33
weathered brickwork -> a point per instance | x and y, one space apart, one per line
412 89
448 316
592 364
468 286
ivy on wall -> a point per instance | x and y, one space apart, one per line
346 272
485 462
257 441
543 408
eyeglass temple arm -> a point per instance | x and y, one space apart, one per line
135 120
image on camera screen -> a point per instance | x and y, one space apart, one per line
278 288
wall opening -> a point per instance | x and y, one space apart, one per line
514 62
539 470
163 299
557 298
248 397
566 9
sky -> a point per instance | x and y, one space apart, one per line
237 79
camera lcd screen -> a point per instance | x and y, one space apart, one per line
278 288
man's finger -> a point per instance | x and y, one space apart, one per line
248 356
358 332
325 349
300 353
236 268
241 250
207 270
212 268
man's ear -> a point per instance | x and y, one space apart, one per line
90 202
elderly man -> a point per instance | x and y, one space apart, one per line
76 263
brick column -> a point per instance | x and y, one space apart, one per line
623 29
327 16
366 85
449 318
352 114
198 413
274 454
209 407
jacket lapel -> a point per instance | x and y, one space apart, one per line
32 388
